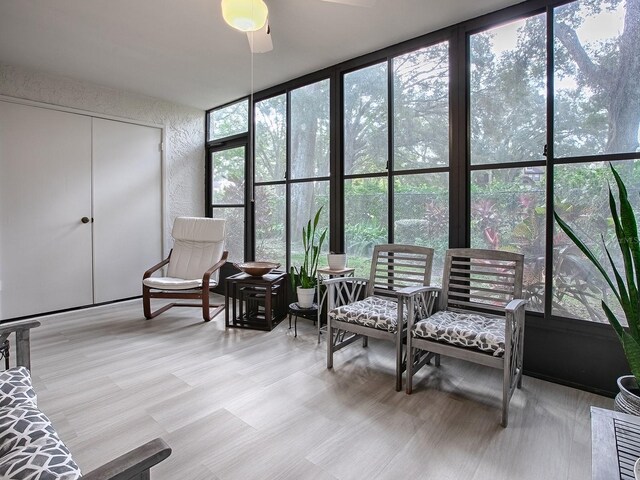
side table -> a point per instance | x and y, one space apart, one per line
298 311
262 300
326 273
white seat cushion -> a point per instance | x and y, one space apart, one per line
464 329
374 312
172 283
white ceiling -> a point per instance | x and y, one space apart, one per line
182 51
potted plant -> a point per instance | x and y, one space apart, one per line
304 279
337 261
625 289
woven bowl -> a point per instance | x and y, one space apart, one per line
256 269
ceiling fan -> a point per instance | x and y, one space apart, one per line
252 17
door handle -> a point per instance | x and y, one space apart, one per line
85 220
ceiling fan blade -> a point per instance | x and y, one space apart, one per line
355 3
260 41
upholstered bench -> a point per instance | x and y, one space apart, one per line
30 448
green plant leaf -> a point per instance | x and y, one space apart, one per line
624 296
630 345
631 252
587 251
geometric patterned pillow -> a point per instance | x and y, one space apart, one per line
469 330
16 388
30 448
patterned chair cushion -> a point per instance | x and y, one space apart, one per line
16 388
30 448
374 312
464 329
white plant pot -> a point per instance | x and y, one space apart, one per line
337 261
305 297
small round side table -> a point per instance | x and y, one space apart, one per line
297 311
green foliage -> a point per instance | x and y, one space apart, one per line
625 288
306 275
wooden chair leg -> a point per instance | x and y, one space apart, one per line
410 354
206 311
329 344
146 302
506 388
398 360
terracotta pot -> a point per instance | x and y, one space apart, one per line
305 296
628 400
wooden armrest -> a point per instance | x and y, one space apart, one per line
515 304
134 464
206 278
22 329
18 325
158 266
412 291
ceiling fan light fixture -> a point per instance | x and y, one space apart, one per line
245 15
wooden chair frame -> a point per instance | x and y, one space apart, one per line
133 465
514 313
345 290
201 294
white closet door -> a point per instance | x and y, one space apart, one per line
127 207
45 190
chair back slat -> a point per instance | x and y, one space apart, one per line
481 280
397 266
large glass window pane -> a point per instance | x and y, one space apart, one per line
230 120
508 213
306 199
271 139
365 120
310 131
421 108
421 214
366 220
581 200
227 176
597 78
270 224
508 92
234 239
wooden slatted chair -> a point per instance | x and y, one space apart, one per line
193 267
480 317
358 308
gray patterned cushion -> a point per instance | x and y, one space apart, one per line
374 312
16 388
464 329
30 448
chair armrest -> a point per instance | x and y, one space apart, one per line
206 278
156 267
133 464
413 291
515 305
22 329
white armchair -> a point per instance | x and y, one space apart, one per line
193 266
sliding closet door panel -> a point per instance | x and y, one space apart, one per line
45 190
127 206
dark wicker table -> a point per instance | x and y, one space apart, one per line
258 303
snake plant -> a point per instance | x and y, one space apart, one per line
306 275
627 282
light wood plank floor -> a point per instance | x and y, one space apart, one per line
241 404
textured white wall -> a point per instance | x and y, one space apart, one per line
184 126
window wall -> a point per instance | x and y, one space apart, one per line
469 136
292 139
